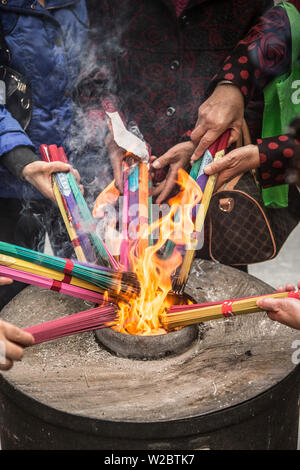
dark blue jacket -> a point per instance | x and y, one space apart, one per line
46 45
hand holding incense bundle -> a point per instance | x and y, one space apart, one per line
96 318
207 185
183 315
76 210
68 208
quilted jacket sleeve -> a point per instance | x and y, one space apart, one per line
265 53
11 133
262 55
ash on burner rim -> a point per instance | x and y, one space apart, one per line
145 348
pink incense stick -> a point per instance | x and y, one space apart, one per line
93 319
57 286
124 244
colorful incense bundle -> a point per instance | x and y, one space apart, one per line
96 318
136 210
124 260
100 279
36 269
76 214
55 285
68 208
183 315
207 185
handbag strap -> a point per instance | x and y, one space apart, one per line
244 139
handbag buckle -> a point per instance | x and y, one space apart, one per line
226 204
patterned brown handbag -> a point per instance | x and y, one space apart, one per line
241 229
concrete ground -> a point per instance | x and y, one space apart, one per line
284 268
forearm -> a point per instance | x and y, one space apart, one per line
16 160
11 133
277 156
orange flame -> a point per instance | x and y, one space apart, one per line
140 316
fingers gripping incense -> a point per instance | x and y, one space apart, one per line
183 315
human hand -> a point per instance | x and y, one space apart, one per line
223 110
116 156
285 311
236 162
5 280
176 157
39 175
292 175
12 341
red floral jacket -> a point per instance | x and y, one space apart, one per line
265 53
155 66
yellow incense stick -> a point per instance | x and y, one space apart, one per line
213 312
32 268
143 207
71 231
200 218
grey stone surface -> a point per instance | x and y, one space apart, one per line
285 268
76 375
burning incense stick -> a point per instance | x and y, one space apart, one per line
32 268
207 185
100 279
87 320
184 315
51 284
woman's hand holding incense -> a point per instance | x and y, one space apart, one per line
236 162
285 311
5 280
223 110
176 157
39 175
12 341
